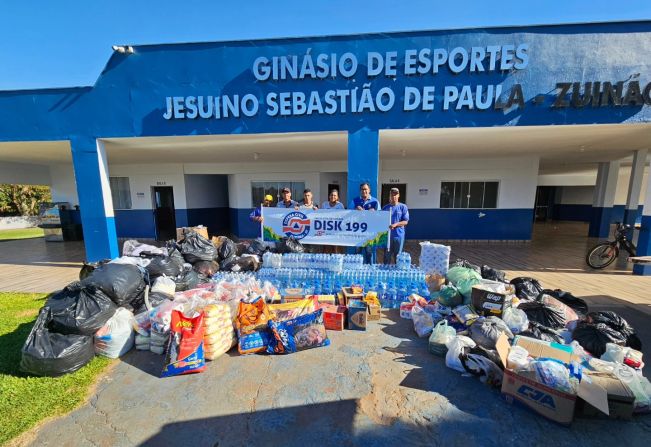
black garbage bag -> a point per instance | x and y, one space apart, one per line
228 264
249 263
467 264
47 353
616 322
121 282
190 280
540 332
195 248
577 304
79 309
527 289
206 268
593 337
486 331
548 316
290 245
227 249
89 267
484 363
242 247
170 266
155 300
257 247
492 274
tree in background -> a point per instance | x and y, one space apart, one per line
23 200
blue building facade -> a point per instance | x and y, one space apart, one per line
359 86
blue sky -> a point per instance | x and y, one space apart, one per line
49 43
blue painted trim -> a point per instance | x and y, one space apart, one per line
440 223
141 224
363 161
501 224
600 222
583 213
135 224
216 219
100 235
644 247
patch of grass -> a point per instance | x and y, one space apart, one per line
25 401
22 233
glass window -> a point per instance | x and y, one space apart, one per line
469 194
120 192
490 195
261 189
447 194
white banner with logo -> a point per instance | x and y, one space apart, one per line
350 228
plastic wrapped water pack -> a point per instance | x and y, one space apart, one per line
434 258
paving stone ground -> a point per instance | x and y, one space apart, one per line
379 387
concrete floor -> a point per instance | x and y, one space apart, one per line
380 387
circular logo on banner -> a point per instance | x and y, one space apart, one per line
296 224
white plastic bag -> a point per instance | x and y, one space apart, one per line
423 320
455 350
516 320
441 335
116 337
638 384
165 285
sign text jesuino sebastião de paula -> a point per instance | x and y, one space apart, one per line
424 62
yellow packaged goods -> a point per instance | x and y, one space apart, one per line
288 311
371 298
219 334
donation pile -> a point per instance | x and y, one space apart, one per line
191 301
542 347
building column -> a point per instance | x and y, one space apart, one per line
95 202
635 187
603 199
644 239
363 161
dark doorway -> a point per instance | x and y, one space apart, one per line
544 203
386 187
164 213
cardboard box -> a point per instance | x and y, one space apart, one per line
621 400
553 404
350 295
546 349
293 294
334 317
329 300
357 315
488 302
374 313
180 232
434 282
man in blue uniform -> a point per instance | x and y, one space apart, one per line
286 201
365 202
399 220
256 214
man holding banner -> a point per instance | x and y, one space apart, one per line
256 214
399 220
365 202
